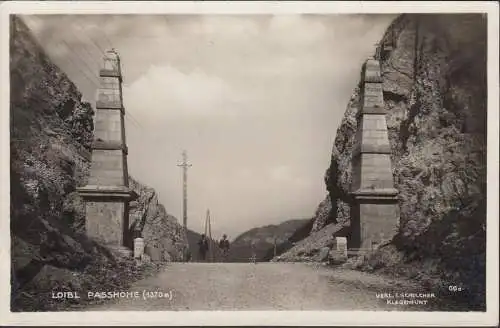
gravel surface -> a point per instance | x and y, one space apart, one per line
262 286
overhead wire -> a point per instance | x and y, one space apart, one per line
107 39
134 120
78 55
90 71
129 117
68 58
129 114
79 68
90 55
96 44
86 70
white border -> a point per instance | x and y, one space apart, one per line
489 318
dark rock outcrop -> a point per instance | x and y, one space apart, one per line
47 161
434 84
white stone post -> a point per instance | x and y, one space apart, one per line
341 243
138 248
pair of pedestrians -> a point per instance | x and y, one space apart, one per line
203 247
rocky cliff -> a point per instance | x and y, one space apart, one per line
162 233
51 130
434 85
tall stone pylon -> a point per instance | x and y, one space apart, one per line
107 194
375 209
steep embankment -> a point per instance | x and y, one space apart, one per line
51 133
435 96
263 239
162 233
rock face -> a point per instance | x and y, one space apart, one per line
263 239
162 233
51 130
434 85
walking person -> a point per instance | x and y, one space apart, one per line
224 246
203 248
187 254
253 248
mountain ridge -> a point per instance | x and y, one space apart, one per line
264 238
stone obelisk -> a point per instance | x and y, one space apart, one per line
107 194
375 209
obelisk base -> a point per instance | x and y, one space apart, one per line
107 213
374 218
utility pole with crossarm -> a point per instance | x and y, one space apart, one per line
185 165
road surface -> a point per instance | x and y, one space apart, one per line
261 286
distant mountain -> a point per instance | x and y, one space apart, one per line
298 235
264 239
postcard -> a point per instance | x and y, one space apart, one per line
249 163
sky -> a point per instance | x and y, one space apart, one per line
255 100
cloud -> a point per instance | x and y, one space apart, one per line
280 173
295 30
230 27
164 91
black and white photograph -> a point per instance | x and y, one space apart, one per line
201 156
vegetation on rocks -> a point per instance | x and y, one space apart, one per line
162 233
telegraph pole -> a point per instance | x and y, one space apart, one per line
208 234
185 165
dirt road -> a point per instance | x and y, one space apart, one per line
263 286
